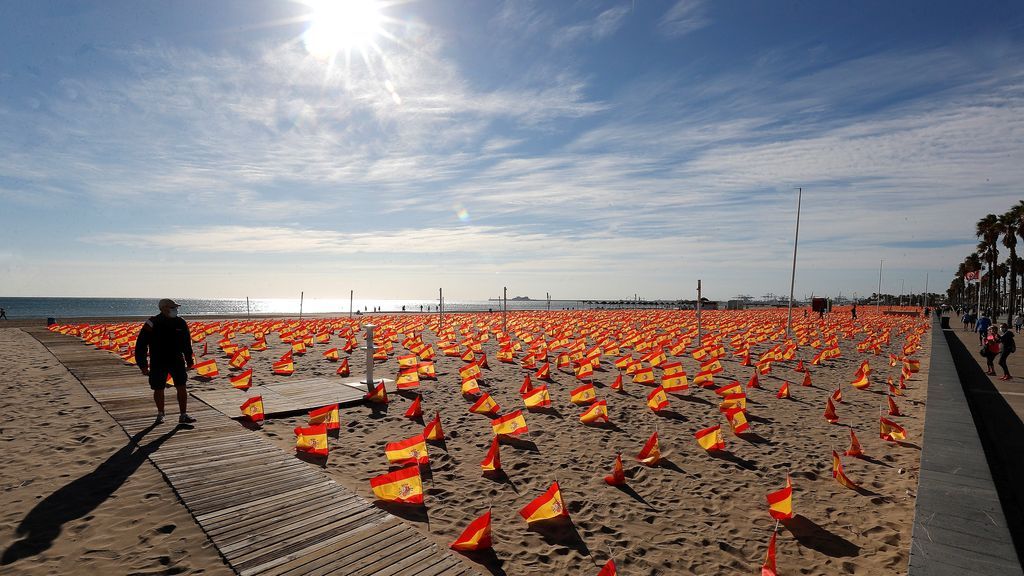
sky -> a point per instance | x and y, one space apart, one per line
582 149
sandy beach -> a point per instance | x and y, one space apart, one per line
696 512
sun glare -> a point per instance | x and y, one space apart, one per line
337 26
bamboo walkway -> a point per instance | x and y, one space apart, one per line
264 510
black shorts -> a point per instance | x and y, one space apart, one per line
158 376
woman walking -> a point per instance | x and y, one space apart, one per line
990 349
1007 346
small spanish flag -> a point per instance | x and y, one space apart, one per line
890 431
608 569
469 371
546 506
409 451
838 395
485 405
585 371
283 367
433 431
415 409
583 395
753 382
332 355
379 394
240 358
408 378
617 383
426 370
657 400
470 387
733 401
597 411
894 410
328 416
511 424
643 375
527 385
731 388
402 486
343 368
492 461
768 568
738 420
242 380
854 449
710 439
807 378
780 502
784 391
704 379
476 536
650 454
838 474
544 372
207 368
408 361
468 356
253 408
618 476
312 439
800 366
713 366
538 397
861 381
830 411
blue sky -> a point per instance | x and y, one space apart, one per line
586 149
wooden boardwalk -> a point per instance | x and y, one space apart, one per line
287 397
264 510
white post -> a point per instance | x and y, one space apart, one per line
247 308
698 313
549 301
301 297
792 276
440 310
504 310
350 294
369 357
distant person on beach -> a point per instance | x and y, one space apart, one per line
1018 322
1007 346
3 314
982 326
853 311
167 339
989 349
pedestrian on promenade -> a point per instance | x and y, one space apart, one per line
1007 346
167 339
982 326
990 349
853 311
1018 322
3 314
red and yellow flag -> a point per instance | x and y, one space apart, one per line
546 506
861 381
527 385
379 394
511 424
608 569
807 378
854 449
328 416
753 382
343 368
544 372
408 378
469 371
838 474
643 375
784 391
470 387
657 400
402 486
731 388
409 451
894 410
768 568
737 420
207 368
253 408
537 398
242 380
838 395
597 411
585 371
312 439
890 431
492 461
433 431
710 439
830 411
780 502
283 367
415 409
485 405
618 476
583 395
426 370
617 383
408 361
239 358
476 536
650 454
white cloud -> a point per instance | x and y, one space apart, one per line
600 27
684 17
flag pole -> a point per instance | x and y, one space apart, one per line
247 308
504 310
698 313
440 311
792 276
302 295
878 295
350 294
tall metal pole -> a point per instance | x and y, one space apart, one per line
792 276
440 310
878 295
925 299
247 308
977 311
302 296
504 310
903 287
698 313
350 294
369 357
549 301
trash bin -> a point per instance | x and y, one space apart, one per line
51 321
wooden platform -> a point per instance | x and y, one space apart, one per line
286 397
264 510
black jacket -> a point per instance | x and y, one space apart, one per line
168 342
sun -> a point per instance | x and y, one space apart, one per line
337 26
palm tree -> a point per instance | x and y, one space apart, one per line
972 264
988 230
1010 221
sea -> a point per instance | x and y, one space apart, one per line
23 308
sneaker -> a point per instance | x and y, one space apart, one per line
159 417
185 419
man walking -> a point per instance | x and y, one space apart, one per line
167 339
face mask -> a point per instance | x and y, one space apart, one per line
172 313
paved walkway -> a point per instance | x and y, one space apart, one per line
264 510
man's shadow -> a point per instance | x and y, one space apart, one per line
43 523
